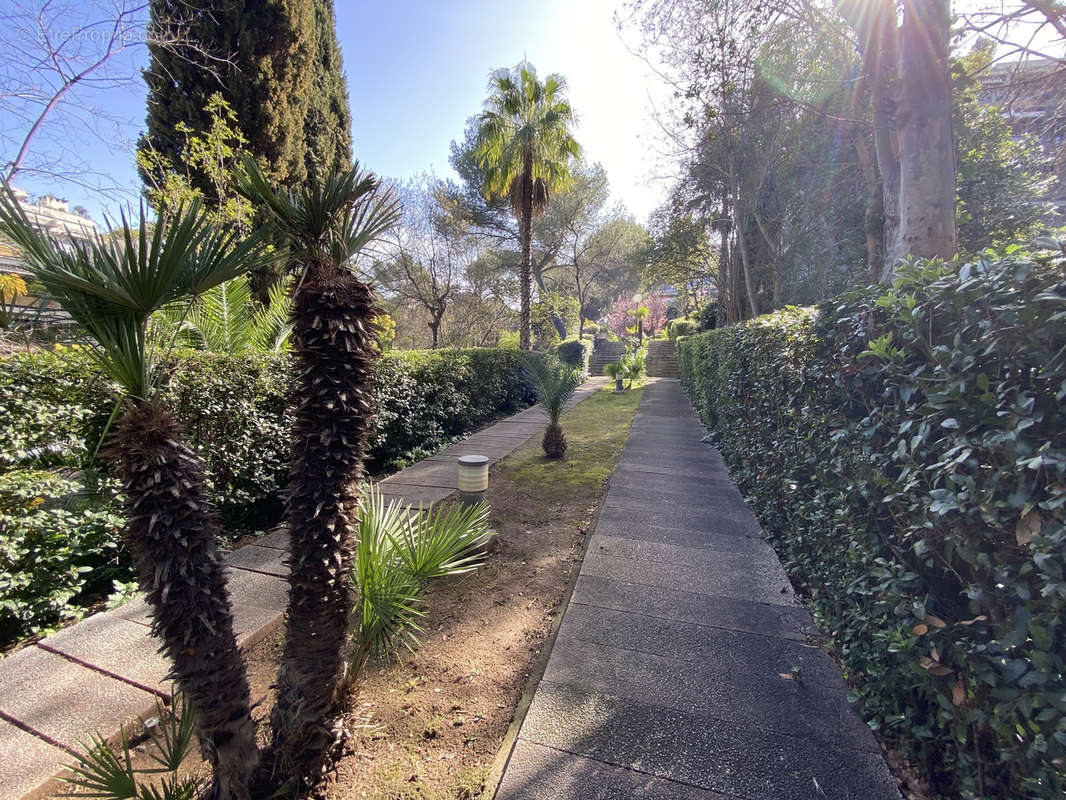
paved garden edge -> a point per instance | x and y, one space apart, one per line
104 673
681 668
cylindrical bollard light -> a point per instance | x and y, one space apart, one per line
473 479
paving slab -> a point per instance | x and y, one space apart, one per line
758 556
702 751
28 763
116 646
684 666
543 773
259 559
666 466
724 494
737 581
715 611
724 535
676 484
718 649
768 704
63 702
279 539
639 515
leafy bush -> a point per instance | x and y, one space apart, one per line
233 408
53 409
427 398
575 353
59 550
57 556
905 450
681 327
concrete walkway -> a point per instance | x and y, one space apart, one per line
104 672
672 676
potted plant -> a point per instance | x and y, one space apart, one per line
617 371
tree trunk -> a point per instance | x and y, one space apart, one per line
749 283
872 226
556 320
724 272
926 146
526 233
882 59
334 353
173 534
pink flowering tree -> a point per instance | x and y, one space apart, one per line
623 314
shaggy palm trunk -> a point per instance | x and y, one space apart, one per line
526 288
173 533
554 442
333 347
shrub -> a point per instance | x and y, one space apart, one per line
233 408
53 409
575 353
680 327
59 556
905 450
60 550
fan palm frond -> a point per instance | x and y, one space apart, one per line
271 324
325 221
111 283
554 386
401 549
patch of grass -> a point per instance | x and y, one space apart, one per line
596 431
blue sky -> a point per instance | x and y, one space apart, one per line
417 69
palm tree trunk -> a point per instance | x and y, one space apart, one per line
173 533
525 320
333 347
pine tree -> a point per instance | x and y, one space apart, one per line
276 62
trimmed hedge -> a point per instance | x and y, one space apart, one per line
54 411
575 353
680 327
905 450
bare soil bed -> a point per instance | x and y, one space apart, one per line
429 725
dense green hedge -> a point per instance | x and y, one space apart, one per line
54 411
575 353
905 450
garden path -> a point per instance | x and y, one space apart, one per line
682 668
104 672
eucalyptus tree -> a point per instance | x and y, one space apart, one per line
110 285
324 224
525 148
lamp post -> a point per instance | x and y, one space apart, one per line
473 479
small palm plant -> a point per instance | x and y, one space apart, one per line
554 386
400 550
110 285
103 773
616 371
633 365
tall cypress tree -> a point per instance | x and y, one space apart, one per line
276 62
328 124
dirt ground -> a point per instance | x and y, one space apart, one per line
429 724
